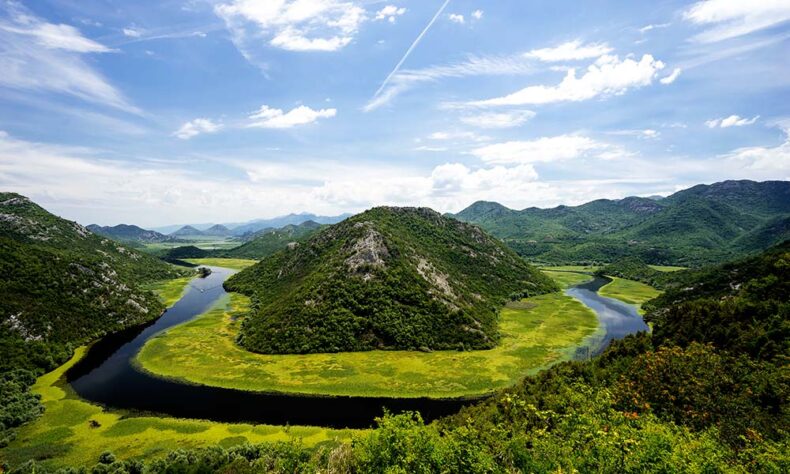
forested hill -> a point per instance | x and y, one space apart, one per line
700 225
390 277
129 233
64 285
268 241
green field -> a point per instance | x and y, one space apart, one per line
573 268
233 263
567 278
536 333
170 291
667 268
65 434
629 291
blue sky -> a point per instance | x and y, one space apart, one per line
174 111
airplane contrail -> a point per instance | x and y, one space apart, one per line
411 48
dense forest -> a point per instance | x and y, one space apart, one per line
63 286
387 278
702 225
680 399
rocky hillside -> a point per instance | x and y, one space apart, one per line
389 278
68 286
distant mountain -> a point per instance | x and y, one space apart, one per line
69 286
277 222
266 242
702 224
217 230
185 231
130 233
388 278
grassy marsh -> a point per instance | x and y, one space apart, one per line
67 433
535 333
629 291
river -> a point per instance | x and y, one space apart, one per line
107 376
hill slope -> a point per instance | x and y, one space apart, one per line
402 278
702 224
69 285
266 242
129 233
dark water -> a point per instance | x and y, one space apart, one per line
106 374
618 319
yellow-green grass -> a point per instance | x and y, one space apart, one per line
63 435
170 291
572 268
535 333
667 268
233 263
629 291
566 278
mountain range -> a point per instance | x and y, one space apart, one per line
129 233
239 229
702 224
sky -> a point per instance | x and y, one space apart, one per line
178 111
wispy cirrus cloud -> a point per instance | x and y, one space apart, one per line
544 149
36 55
725 19
498 119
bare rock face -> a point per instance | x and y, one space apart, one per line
369 252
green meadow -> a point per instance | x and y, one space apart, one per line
74 432
566 278
536 333
232 263
170 291
629 291
573 268
667 268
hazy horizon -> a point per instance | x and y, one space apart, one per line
196 111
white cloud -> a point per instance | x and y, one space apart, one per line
762 162
389 13
477 14
294 25
456 18
608 76
268 117
545 149
571 51
650 27
452 178
196 127
457 136
498 119
671 78
731 121
648 133
731 18
40 56
132 32
406 79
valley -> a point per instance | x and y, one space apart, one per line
193 378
